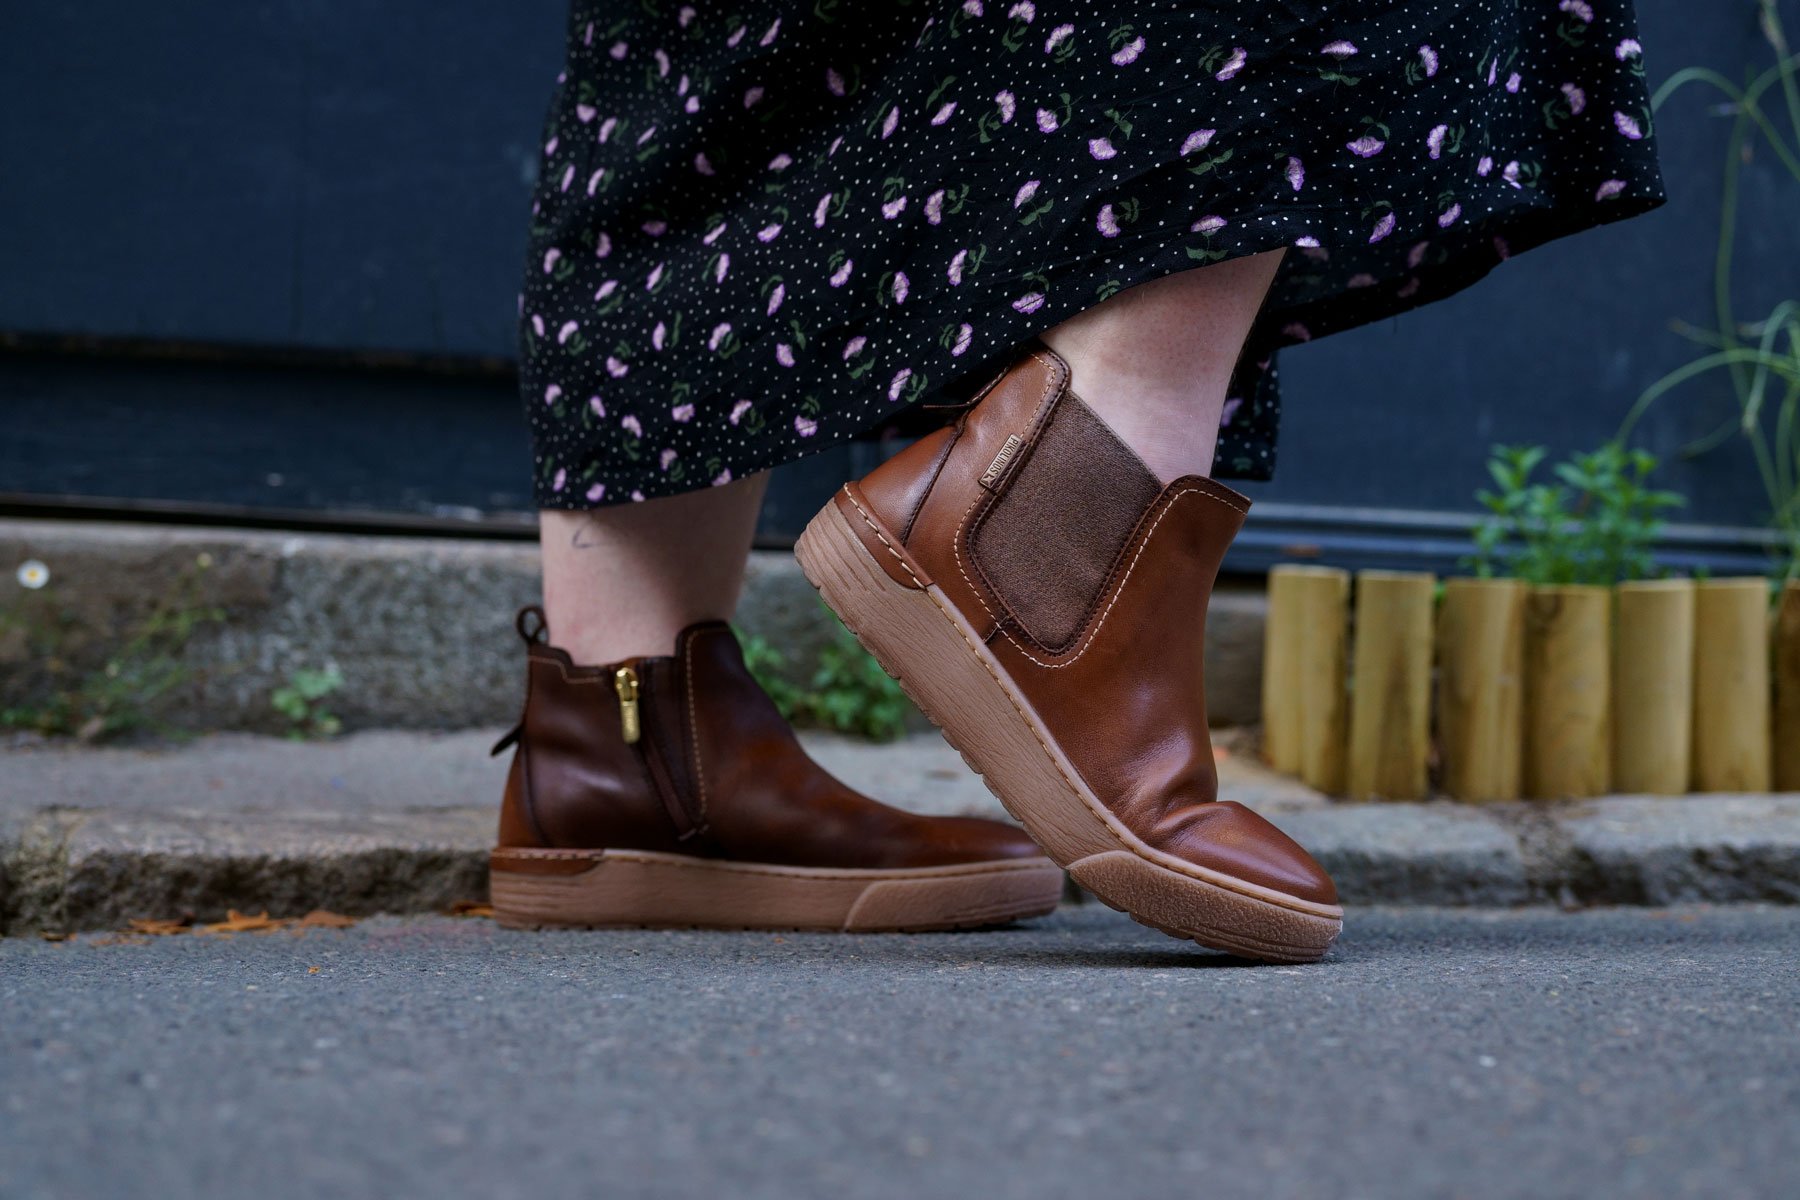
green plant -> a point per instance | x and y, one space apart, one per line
848 692
302 702
117 696
1762 358
1596 524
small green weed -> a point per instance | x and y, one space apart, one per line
118 696
302 702
1598 523
847 693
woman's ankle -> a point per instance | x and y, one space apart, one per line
1154 362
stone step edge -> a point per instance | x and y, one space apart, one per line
74 870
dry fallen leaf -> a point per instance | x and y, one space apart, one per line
312 970
471 908
237 922
52 937
157 927
320 918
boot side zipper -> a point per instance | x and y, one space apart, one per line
630 686
625 682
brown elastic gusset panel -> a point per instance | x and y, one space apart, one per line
1047 545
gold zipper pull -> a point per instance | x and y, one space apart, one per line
625 682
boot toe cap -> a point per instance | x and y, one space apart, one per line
1225 836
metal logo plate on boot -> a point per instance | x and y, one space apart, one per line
997 468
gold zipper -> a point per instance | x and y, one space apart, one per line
625 682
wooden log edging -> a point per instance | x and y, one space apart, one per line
1787 689
1653 687
1305 697
1480 688
1731 686
1390 699
1568 692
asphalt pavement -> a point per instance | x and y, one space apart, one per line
1436 1053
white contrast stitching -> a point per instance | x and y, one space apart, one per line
879 536
694 734
1100 621
956 540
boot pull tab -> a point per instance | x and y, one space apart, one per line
533 625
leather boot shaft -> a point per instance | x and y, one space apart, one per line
1040 525
577 779
686 754
1045 596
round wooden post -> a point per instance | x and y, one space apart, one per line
1787 690
1731 685
1304 663
1653 687
1568 691
1390 697
1481 669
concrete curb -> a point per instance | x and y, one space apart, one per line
419 628
396 822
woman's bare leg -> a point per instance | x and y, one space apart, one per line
1154 360
624 580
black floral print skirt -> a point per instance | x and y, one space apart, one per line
761 228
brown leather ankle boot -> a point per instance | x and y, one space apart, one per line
1043 598
668 791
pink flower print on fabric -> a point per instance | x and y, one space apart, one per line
1127 54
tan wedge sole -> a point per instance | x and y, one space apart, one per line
921 640
596 889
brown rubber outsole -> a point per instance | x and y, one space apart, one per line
924 643
640 889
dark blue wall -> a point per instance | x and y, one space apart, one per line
310 217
